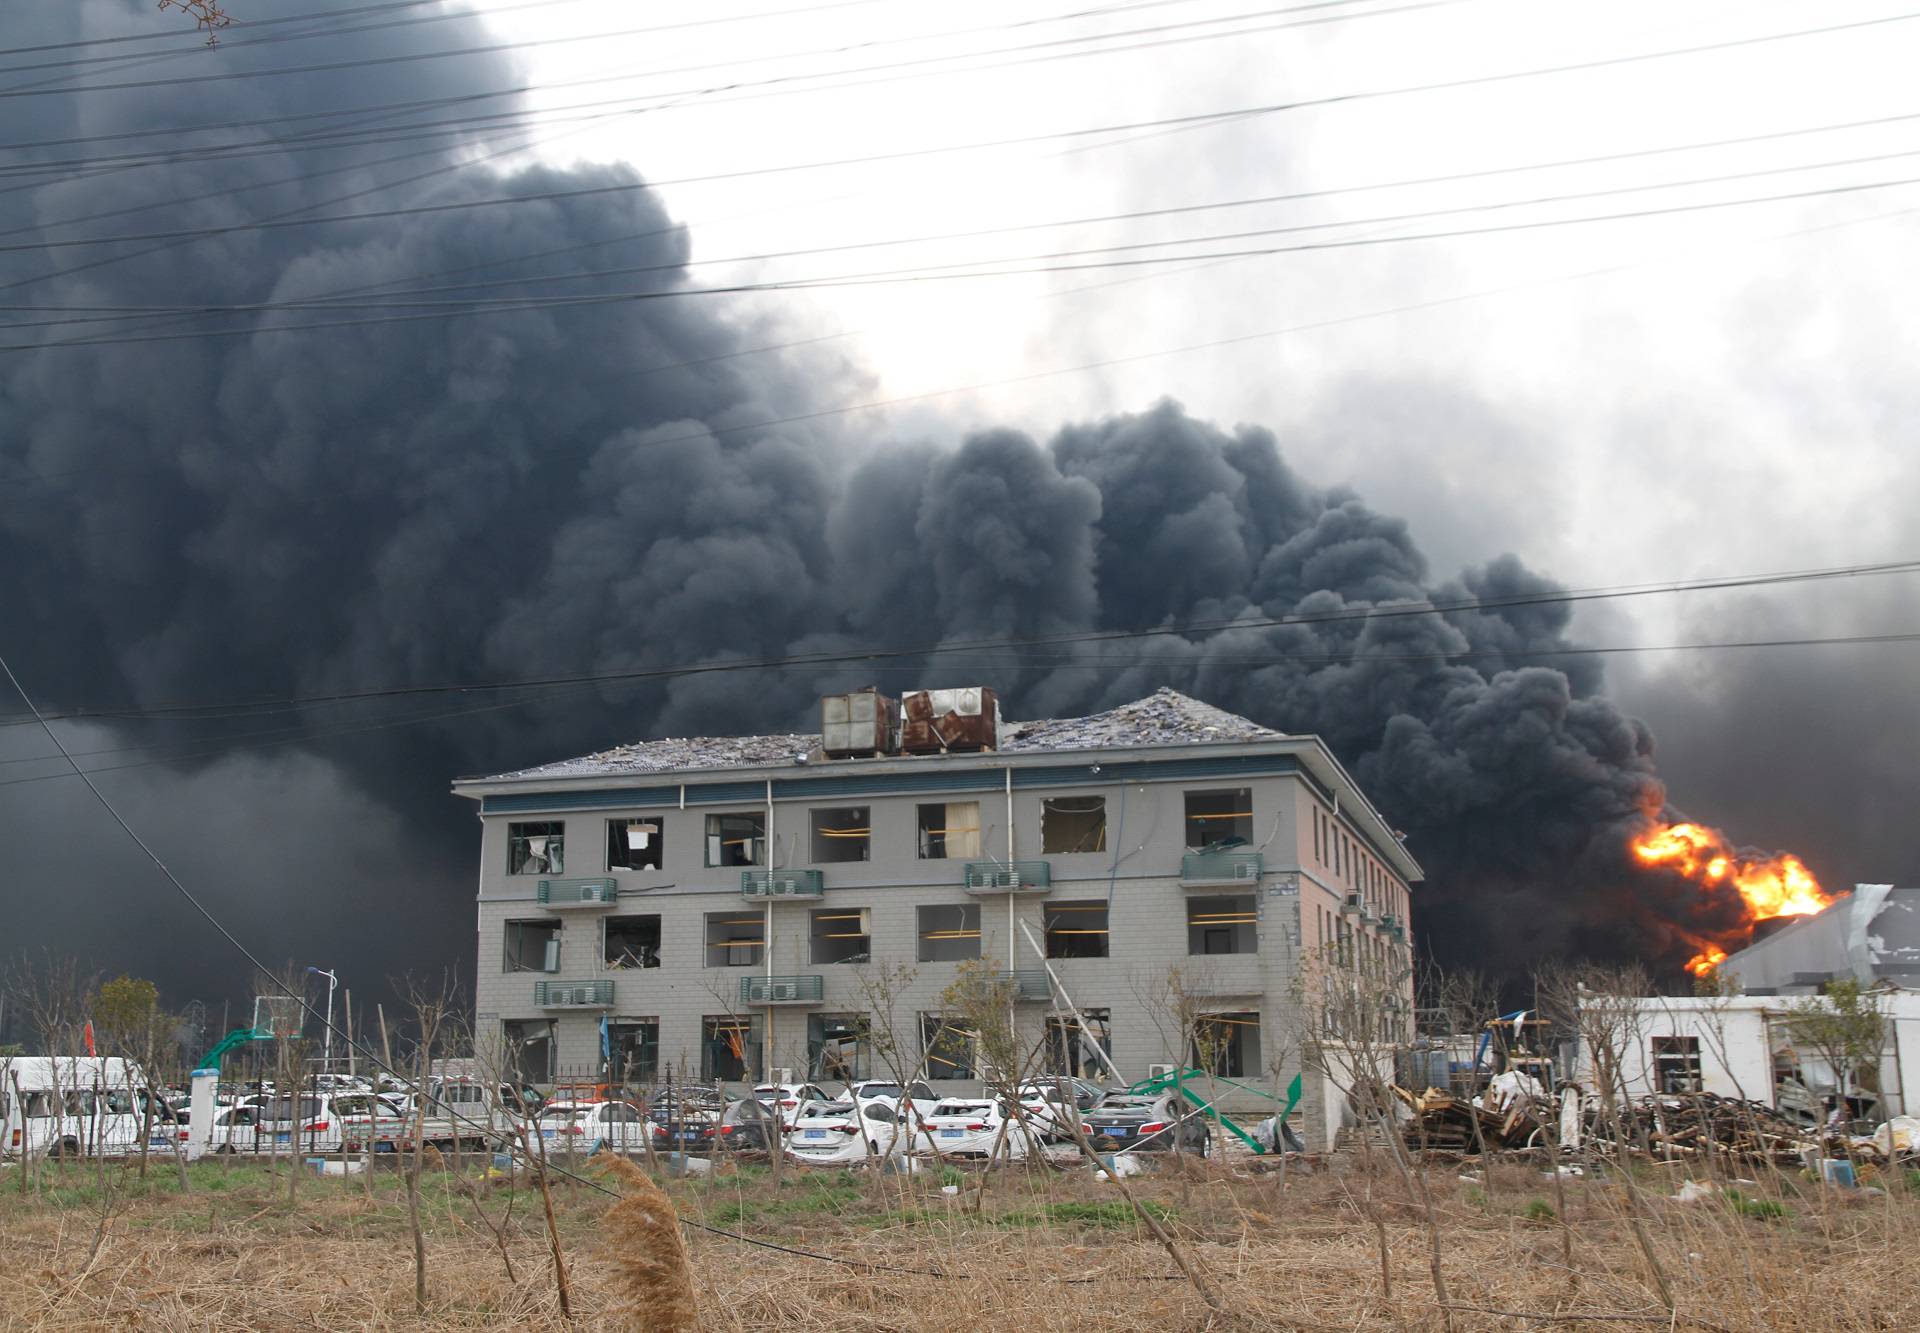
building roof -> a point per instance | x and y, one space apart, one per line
1165 717
1872 934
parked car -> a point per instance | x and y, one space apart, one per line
236 1129
309 1125
585 1127
1146 1123
790 1098
1051 1105
845 1134
920 1099
967 1128
743 1124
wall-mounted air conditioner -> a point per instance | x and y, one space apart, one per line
1159 1071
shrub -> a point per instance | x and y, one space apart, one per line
1539 1210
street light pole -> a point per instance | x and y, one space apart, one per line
326 1059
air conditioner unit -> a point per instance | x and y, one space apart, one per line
786 990
1159 1071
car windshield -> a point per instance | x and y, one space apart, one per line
830 1109
562 1112
1127 1104
880 1090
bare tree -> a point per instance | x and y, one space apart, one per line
207 16
433 1008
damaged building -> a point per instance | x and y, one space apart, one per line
716 908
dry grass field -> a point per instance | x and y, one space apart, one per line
1047 1252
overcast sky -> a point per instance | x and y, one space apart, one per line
1704 392
1709 393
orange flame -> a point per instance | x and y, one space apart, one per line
1703 963
1768 886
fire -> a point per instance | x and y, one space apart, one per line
1769 886
1703 963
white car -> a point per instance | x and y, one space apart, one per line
585 1127
845 1134
968 1128
918 1103
791 1100
236 1129
310 1126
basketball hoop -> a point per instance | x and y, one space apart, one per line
278 1016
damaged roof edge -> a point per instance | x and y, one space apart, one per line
1317 762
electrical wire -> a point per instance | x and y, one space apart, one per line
394 301
884 277
1473 605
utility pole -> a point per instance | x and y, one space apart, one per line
326 1059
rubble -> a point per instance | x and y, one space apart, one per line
1165 717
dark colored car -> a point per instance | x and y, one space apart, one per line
742 1125
1148 1124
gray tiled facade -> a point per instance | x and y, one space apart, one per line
1331 873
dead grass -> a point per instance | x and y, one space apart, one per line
1049 1255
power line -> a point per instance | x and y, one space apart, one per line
1238 113
494 48
919 273
394 300
863 655
1522 656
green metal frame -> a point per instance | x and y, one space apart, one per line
1179 1078
237 1037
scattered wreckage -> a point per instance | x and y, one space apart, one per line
1515 1114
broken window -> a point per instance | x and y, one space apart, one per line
1073 824
635 844
842 936
633 1050
837 1046
1676 1064
730 1049
532 946
841 834
1071 1046
529 1043
1076 930
734 939
948 1049
736 840
949 932
537 848
1217 817
950 831
1226 1044
1226 924
631 941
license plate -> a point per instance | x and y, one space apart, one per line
284 1136
952 1133
813 1134
1115 1131
548 1133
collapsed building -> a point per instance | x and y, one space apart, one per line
718 909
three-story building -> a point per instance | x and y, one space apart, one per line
724 908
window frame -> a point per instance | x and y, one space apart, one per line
1102 933
939 1036
608 964
520 855
752 1036
757 946
1243 929
657 844
821 840
1242 800
508 931
715 826
1056 805
817 940
943 812
966 927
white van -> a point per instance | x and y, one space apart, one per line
70 1106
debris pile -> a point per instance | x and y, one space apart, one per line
1444 1121
1703 1124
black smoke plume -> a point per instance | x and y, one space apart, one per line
583 488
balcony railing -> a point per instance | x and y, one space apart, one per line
781 990
1026 985
1009 877
573 994
1222 868
578 892
796 884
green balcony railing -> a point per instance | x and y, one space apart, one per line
781 990
578 892
1009 876
573 994
1222 867
1026 985
781 884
